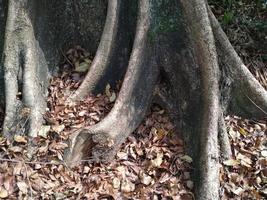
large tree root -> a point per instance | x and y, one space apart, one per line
102 140
250 97
25 74
205 51
103 55
11 75
180 63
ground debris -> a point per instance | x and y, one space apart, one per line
151 164
245 175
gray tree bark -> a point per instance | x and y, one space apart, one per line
170 52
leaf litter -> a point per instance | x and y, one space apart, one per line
151 164
245 175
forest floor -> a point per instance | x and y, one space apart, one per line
152 163
245 176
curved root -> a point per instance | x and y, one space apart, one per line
103 54
130 107
249 94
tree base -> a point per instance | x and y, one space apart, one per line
174 61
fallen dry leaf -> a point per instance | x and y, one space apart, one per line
116 183
20 139
231 162
187 158
127 186
141 167
3 193
23 187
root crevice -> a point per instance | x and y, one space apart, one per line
134 97
103 55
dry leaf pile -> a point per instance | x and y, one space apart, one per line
151 164
245 176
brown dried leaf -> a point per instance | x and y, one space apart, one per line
3 193
9 184
264 153
187 158
158 160
17 168
16 149
112 98
23 187
44 131
122 155
190 184
58 128
145 178
127 186
231 162
20 139
107 90
116 183
246 161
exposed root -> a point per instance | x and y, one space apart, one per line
250 95
205 51
24 65
33 86
131 105
225 147
11 71
103 55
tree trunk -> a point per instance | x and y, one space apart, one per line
173 53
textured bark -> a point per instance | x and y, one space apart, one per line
24 62
250 97
225 147
33 42
103 55
3 12
205 50
131 104
167 55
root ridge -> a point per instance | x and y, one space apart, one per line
20 45
134 97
